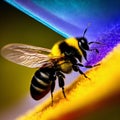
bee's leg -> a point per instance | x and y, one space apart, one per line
87 66
76 68
94 42
61 82
52 89
83 74
96 50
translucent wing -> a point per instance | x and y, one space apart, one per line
26 55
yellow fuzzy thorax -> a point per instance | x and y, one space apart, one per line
55 51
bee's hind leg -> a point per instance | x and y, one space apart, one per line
52 89
61 82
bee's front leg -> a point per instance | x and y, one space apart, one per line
76 68
88 66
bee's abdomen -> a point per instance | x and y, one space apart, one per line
40 84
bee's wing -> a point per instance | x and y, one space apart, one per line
26 55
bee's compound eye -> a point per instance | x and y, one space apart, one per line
82 41
79 43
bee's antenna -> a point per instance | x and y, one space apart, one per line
86 29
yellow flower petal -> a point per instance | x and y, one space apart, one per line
83 95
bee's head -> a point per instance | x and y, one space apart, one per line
82 41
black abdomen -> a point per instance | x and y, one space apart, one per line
41 83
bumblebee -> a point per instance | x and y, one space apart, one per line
64 57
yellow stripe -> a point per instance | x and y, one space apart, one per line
55 51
